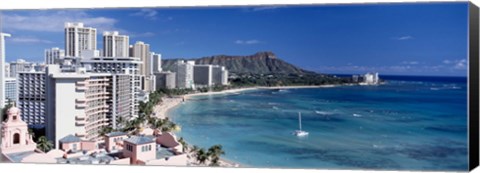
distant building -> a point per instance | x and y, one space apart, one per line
10 90
53 55
7 70
142 51
2 72
184 74
20 66
115 45
219 75
165 80
371 78
32 97
203 76
78 38
156 63
114 141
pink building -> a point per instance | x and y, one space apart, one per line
114 141
140 149
15 137
74 144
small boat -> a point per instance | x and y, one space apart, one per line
300 132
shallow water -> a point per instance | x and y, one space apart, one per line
402 125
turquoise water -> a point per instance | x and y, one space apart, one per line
402 125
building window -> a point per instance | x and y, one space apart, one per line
16 138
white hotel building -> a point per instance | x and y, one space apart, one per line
53 55
78 38
184 74
2 72
115 45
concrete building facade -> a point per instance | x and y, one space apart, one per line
115 45
53 55
2 72
78 38
203 75
165 80
184 74
31 98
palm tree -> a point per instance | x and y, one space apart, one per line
31 133
105 130
44 144
184 144
215 152
202 156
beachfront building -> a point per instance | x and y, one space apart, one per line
165 80
31 97
115 45
142 51
15 135
219 75
127 80
53 55
140 149
78 38
184 74
10 90
203 75
81 101
156 63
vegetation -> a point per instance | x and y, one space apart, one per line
44 144
4 111
212 155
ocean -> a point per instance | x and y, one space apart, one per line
408 123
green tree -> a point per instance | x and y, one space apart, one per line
202 156
44 144
215 152
184 144
105 130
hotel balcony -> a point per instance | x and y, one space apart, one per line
81 105
80 117
81 83
80 100
80 123
81 88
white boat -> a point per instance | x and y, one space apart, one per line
300 132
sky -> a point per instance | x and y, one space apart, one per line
428 39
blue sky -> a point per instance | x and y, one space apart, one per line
400 39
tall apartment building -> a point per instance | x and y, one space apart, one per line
53 55
78 38
78 103
126 74
184 74
32 97
10 90
7 69
2 72
115 45
156 63
165 80
20 66
142 51
202 75
219 75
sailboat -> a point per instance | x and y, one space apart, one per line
300 132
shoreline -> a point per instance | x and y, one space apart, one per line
237 90
162 110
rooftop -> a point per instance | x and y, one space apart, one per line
140 140
69 139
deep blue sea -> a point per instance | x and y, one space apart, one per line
409 123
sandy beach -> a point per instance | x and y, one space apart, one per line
161 109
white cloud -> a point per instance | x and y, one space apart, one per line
458 64
411 62
44 21
263 8
147 13
407 37
247 41
29 40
